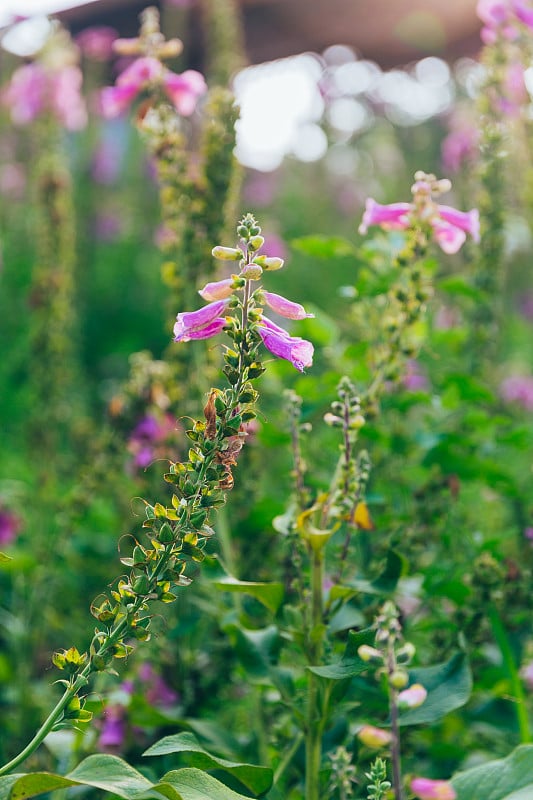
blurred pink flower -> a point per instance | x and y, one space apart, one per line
34 90
260 188
527 674
106 161
155 689
96 42
518 389
525 305
10 525
426 789
450 226
113 732
12 180
458 147
524 11
107 226
414 379
147 436
182 90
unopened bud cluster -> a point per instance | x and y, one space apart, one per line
391 655
354 470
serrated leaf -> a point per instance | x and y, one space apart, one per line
269 594
448 686
193 784
324 246
508 778
256 779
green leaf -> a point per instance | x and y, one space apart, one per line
111 774
350 664
193 784
269 594
257 650
508 778
387 581
458 286
448 686
4 558
324 246
101 771
257 779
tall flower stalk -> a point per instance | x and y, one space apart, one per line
177 534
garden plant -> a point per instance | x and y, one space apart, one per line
266 510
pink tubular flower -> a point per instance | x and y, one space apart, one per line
201 324
182 90
426 789
285 308
218 290
298 351
450 226
392 216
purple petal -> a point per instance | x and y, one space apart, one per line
286 308
298 351
468 221
218 290
182 334
394 215
449 238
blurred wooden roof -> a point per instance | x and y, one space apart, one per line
391 32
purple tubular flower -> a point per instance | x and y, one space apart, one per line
200 324
286 308
298 351
217 290
394 215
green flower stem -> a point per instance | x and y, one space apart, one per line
502 640
395 727
313 736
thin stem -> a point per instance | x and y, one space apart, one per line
285 762
313 738
503 643
395 727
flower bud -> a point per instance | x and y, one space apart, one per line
227 253
406 653
335 422
367 653
374 737
217 290
399 679
357 422
412 697
252 272
256 242
270 263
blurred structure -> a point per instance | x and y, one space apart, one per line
390 32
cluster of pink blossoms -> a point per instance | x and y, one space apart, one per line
37 89
449 226
149 73
503 18
211 319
